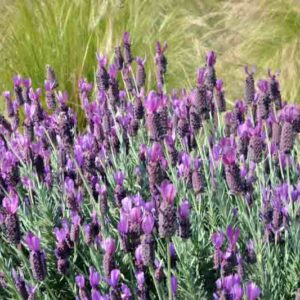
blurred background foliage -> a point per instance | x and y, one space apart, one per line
67 33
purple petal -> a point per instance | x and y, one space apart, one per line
252 291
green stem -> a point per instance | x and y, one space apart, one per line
155 283
169 270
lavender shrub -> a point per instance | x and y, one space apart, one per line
164 194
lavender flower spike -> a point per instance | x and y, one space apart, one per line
37 257
167 212
11 220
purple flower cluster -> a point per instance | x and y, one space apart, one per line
229 263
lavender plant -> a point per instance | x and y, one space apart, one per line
164 195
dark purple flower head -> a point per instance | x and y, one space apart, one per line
94 277
184 210
252 291
219 85
168 191
80 281
11 203
148 223
152 102
33 242
114 277
218 239
109 246
201 74
102 60
263 86
174 285
233 235
211 58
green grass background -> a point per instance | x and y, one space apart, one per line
67 34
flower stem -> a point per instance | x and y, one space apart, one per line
169 270
155 283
